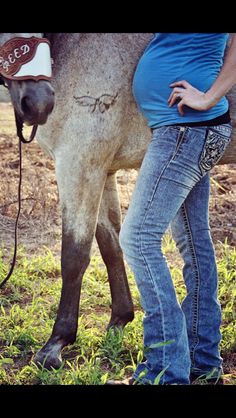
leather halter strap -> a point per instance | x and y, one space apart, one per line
26 58
15 54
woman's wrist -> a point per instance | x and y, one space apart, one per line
210 100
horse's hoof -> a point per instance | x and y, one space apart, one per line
47 361
120 320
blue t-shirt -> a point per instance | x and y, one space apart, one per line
194 57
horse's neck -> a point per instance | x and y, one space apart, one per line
96 62
127 46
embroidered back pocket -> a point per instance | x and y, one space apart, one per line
215 145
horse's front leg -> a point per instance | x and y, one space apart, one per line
80 190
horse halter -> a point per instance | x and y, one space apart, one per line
26 58
23 59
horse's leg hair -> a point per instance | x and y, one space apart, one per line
107 235
80 190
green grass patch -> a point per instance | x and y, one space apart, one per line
28 306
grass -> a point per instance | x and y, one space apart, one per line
28 306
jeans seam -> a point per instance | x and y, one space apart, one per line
161 309
195 319
146 264
172 158
140 241
180 140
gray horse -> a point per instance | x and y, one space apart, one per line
94 130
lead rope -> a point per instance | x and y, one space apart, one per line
19 129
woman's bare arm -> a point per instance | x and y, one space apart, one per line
198 100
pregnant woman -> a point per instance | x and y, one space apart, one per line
179 85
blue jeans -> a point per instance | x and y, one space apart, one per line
173 189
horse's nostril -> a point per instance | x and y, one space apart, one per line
26 104
37 108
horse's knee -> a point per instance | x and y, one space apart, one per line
108 242
75 256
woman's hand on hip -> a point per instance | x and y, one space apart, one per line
189 96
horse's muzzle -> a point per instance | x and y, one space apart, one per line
36 102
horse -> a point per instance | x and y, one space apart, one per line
94 130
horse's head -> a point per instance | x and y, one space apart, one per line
25 67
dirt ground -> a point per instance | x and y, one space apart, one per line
40 221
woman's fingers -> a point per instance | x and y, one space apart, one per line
176 94
188 96
180 107
182 83
180 104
